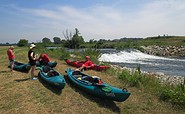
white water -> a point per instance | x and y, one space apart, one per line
131 58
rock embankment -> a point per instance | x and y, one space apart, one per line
167 51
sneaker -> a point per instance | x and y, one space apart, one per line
33 78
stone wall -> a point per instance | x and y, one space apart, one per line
170 51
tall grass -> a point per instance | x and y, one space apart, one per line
173 94
80 55
58 53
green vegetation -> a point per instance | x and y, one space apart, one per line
73 40
174 94
148 94
136 43
20 95
22 42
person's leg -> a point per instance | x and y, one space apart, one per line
33 68
82 68
11 64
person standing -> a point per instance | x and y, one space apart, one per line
32 60
11 57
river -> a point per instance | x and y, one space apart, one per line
131 58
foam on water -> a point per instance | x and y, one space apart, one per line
131 58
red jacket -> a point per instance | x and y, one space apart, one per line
88 63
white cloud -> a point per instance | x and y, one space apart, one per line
109 22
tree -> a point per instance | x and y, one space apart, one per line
46 40
57 40
73 40
67 35
22 42
91 41
77 41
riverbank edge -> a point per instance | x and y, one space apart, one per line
164 79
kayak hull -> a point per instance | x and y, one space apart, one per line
21 67
79 64
52 77
102 90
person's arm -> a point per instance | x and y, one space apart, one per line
11 53
32 56
39 58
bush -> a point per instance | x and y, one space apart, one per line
174 95
134 78
93 53
22 42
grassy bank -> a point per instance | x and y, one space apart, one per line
21 95
137 43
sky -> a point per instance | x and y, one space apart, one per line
95 19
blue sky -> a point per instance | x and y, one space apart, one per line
95 19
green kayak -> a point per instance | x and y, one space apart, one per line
18 66
94 86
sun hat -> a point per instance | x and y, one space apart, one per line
12 47
32 46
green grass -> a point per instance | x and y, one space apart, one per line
174 94
38 97
159 41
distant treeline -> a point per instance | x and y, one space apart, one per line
75 41
7 44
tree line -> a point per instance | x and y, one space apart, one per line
72 40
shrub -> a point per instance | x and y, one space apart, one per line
174 95
134 79
22 42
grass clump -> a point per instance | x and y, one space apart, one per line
174 94
135 78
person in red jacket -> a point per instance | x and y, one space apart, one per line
11 57
86 64
44 59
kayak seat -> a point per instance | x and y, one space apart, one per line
77 74
93 79
88 78
46 69
52 73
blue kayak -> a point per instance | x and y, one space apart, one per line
93 85
52 77
22 67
